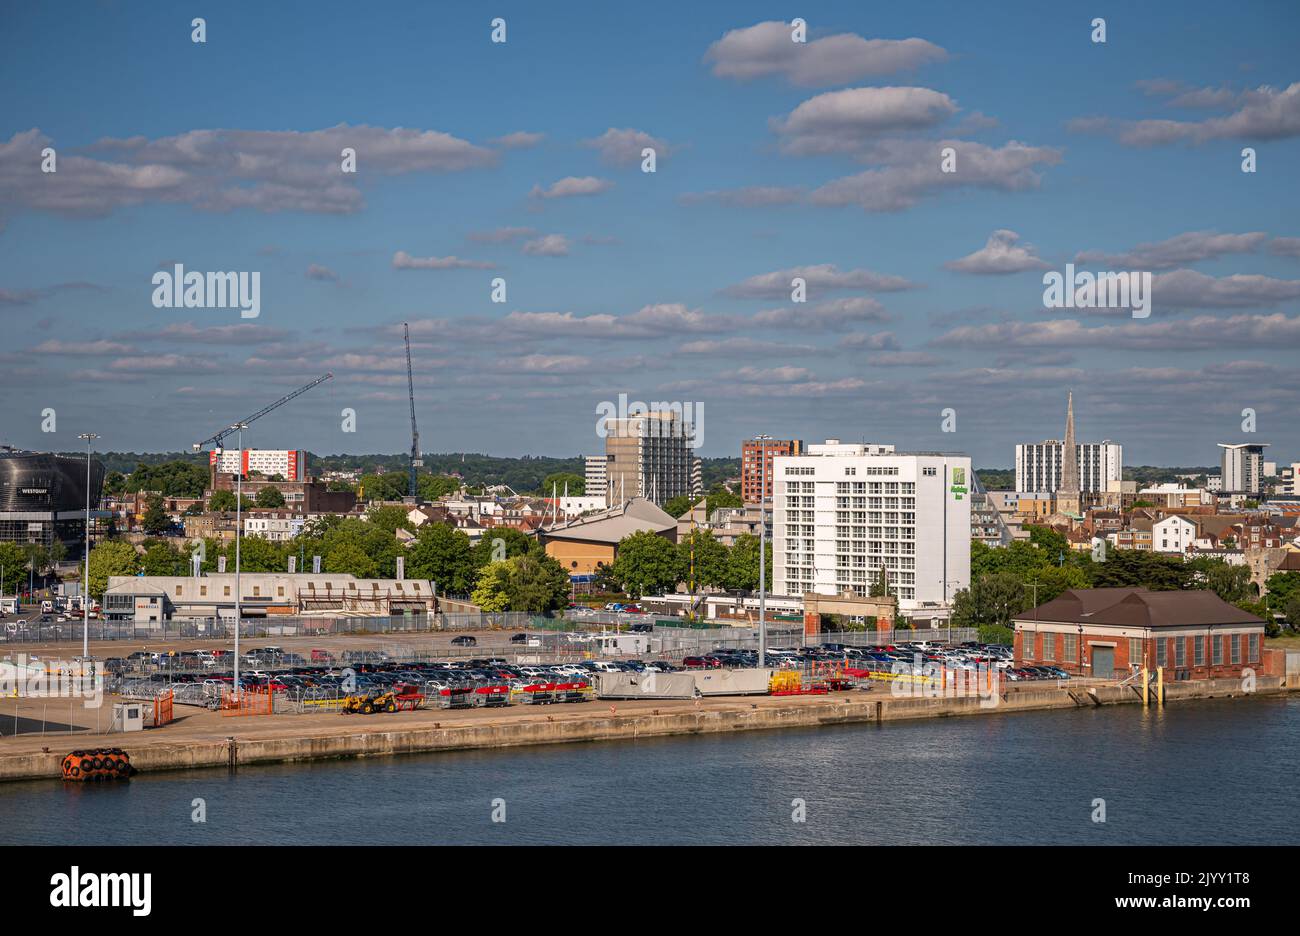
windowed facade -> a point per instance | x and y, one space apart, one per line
843 515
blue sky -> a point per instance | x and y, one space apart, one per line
775 159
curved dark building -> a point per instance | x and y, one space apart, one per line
43 498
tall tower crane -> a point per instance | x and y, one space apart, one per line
416 460
216 439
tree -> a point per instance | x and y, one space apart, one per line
13 561
1229 582
710 559
515 543
348 557
880 587
1291 610
391 485
112 557
114 483
442 553
491 591
536 583
1136 568
991 599
742 564
269 497
171 479
256 554
221 500
155 519
556 481
647 564
1052 543
1261 611
996 634
1281 587
389 519
194 509
432 487
720 497
676 506
161 559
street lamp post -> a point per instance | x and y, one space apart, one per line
90 437
762 553
239 504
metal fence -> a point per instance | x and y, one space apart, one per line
11 631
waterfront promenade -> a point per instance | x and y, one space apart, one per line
201 738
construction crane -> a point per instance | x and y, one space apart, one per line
216 439
416 460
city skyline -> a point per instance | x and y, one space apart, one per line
924 289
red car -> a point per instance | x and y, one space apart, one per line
693 662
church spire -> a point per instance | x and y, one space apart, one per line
1067 490
1070 454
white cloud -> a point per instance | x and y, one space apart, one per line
548 245
1190 288
1002 253
218 170
912 170
743 346
754 196
834 314
1264 113
904 359
1205 332
404 261
840 121
322 273
573 186
520 139
880 341
623 147
1285 246
500 235
765 49
1177 251
824 277
56 346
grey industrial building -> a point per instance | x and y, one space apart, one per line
43 498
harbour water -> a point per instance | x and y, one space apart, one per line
1219 772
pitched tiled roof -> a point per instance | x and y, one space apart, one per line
1138 607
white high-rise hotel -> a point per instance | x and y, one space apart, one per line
842 512
1038 465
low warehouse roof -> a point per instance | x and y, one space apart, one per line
1138 607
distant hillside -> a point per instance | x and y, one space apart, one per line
522 474
1004 479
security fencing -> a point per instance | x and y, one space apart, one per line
22 630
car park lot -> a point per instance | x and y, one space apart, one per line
309 679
